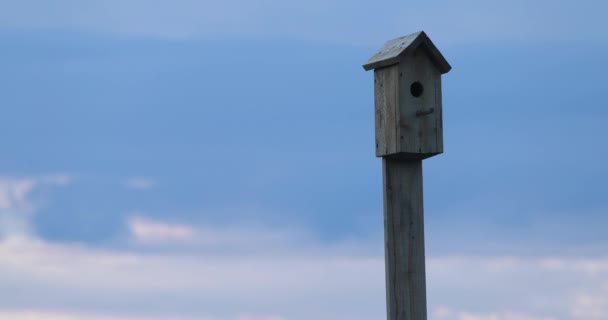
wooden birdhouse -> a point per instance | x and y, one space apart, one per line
407 80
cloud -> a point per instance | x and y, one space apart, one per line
270 284
76 278
250 272
519 287
235 238
16 209
499 316
41 315
146 231
590 306
445 313
13 192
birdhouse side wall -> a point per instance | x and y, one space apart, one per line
386 93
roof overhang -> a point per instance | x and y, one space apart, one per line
394 49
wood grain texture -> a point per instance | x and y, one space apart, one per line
386 92
439 116
393 49
419 134
404 239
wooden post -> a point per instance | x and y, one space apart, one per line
404 239
409 128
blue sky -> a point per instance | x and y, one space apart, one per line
214 160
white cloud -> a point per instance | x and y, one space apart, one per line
13 192
499 316
513 288
149 231
247 272
42 315
16 209
591 306
442 312
237 238
242 287
273 285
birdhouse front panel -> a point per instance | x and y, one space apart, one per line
420 129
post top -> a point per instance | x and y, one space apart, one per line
394 49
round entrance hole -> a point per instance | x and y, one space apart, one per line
416 89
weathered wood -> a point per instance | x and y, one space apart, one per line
439 116
392 51
418 127
409 128
386 84
408 104
404 239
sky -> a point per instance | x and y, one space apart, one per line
179 160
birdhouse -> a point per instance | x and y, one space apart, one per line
407 81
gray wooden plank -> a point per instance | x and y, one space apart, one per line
393 49
404 239
439 118
386 84
417 134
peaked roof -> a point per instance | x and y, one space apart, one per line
393 49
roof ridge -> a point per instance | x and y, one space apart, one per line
394 49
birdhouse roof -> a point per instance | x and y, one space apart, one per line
396 48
